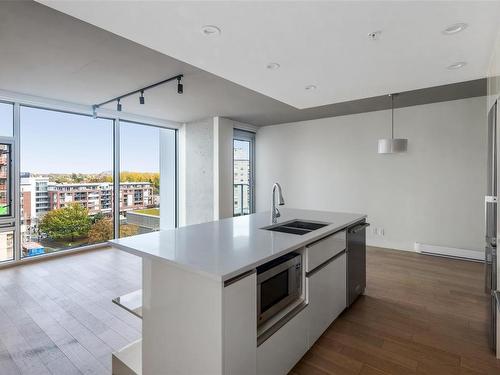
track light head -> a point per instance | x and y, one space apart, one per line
118 106
180 86
94 111
141 98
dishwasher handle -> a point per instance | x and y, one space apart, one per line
359 227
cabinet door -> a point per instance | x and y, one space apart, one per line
327 296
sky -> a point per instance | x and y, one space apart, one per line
56 142
241 149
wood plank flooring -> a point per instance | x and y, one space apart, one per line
420 315
56 316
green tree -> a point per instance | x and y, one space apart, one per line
67 223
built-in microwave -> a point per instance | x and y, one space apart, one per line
279 283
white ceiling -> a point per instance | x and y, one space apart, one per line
320 43
52 55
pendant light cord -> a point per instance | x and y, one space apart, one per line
392 116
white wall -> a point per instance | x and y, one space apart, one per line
493 95
432 194
494 74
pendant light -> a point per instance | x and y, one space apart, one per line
392 145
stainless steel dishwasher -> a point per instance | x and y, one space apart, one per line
356 261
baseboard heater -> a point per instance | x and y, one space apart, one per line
449 252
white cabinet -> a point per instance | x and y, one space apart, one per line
240 326
327 296
279 353
319 252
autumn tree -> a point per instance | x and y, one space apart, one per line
101 231
127 230
67 223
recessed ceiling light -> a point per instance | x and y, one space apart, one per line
210 30
273 66
456 65
455 28
375 35
311 87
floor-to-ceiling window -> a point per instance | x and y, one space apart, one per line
66 180
7 226
57 180
144 151
243 172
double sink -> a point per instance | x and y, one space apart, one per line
299 227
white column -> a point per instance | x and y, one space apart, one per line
167 178
223 168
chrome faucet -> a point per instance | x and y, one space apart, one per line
275 213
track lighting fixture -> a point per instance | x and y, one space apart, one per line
142 100
180 86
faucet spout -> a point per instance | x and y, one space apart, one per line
275 213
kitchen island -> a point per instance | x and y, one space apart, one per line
200 294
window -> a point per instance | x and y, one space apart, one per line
243 172
61 193
6 120
7 229
142 148
66 182
6 245
5 180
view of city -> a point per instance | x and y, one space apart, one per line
241 178
66 181
57 215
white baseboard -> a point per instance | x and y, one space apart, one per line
449 252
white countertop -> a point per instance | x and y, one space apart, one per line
226 248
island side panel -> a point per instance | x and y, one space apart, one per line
240 326
182 321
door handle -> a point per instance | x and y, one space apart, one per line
359 227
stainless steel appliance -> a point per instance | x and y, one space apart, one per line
356 261
279 283
490 213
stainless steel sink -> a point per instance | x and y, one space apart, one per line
299 227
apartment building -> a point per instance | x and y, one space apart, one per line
96 197
136 195
6 245
39 196
34 198
241 181
4 175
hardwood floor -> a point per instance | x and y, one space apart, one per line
56 316
420 315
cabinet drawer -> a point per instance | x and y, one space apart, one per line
319 252
327 296
280 352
